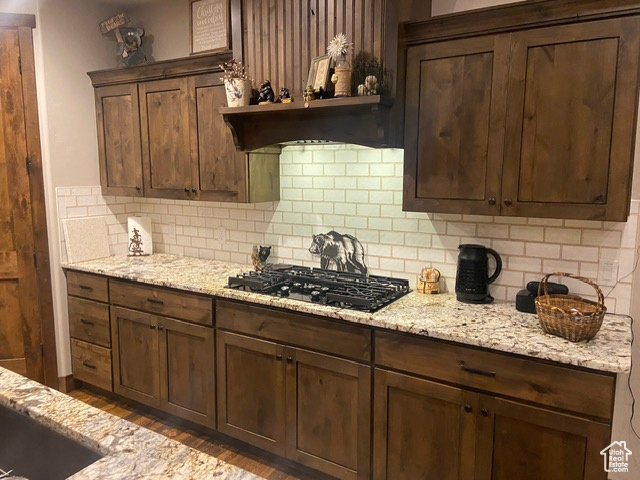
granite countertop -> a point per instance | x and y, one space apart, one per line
497 326
130 451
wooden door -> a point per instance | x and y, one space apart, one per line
454 125
328 414
22 316
166 149
221 169
119 151
530 443
422 430
573 97
187 370
251 391
136 364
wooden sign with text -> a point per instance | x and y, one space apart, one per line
209 25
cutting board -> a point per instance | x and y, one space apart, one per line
86 238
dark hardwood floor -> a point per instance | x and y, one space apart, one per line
252 460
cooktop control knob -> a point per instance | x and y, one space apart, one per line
284 292
296 287
315 296
324 291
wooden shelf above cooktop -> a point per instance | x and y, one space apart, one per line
360 120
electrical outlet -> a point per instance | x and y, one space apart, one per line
607 273
220 234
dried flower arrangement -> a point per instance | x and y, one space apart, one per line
234 69
339 47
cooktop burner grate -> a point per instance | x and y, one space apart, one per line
340 289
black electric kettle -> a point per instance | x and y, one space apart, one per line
472 277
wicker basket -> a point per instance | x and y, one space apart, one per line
569 316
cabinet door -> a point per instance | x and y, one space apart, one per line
119 151
422 430
187 370
221 167
530 443
134 339
454 126
166 153
328 413
570 123
251 391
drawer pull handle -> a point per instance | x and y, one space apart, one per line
154 301
88 365
85 287
87 322
476 371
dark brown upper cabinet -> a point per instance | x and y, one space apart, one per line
119 138
160 134
534 122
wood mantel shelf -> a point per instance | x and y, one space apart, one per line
360 120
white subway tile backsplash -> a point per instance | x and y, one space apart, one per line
358 191
529 234
585 254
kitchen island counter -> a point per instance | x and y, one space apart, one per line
498 326
130 451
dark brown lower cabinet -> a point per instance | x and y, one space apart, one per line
530 443
164 363
309 407
427 430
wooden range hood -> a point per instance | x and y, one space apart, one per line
279 40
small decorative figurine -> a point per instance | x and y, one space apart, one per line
285 96
135 243
266 93
309 95
259 256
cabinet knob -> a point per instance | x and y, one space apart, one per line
160 327
484 412
278 357
186 190
507 202
468 408
492 201
138 188
152 327
193 190
289 359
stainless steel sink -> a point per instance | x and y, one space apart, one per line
30 449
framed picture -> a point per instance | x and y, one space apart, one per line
319 72
209 25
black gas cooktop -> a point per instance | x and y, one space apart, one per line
354 291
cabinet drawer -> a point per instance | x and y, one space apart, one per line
562 387
89 321
91 364
88 286
186 306
295 329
